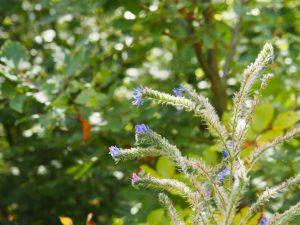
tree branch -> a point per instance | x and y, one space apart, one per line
232 46
233 42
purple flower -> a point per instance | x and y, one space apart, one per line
221 176
178 91
114 151
137 96
224 152
263 221
134 178
207 192
141 129
137 100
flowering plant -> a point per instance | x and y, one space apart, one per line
214 193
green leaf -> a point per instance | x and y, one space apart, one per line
251 135
123 24
210 155
132 5
23 120
155 217
165 167
17 103
253 221
89 98
14 51
79 171
73 63
8 90
238 8
113 123
285 120
61 101
263 115
269 136
148 170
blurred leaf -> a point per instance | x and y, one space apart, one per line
61 101
14 51
117 221
123 24
90 98
285 120
156 217
132 5
269 136
262 117
66 220
149 170
74 62
8 89
253 221
165 167
78 171
251 135
210 153
17 103
237 7
240 215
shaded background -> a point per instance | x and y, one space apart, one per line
68 68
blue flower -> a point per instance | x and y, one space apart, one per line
114 151
263 221
141 129
224 152
178 91
137 100
137 96
221 176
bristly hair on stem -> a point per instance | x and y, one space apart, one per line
214 192
167 203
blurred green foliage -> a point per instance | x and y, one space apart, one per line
67 71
